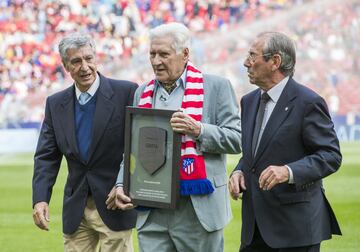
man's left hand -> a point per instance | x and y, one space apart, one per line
272 176
185 124
110 201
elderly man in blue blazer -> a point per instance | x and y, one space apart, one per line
289 146
84 123
208 119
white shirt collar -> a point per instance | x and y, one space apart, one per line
276 90
182 78
92 90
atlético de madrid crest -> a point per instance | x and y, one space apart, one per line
188 165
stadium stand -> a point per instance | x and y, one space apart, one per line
30 68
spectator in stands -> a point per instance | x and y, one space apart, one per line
210 124
29 29
84 123
289 145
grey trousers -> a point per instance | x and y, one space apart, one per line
178 230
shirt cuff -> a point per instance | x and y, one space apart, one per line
291 175
201 131
236 171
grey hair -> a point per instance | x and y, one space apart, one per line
74 40
279 43
179 32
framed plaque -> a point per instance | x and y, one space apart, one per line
151 158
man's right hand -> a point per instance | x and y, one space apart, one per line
237 185
41 215
122 201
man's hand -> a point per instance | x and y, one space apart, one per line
237 185
110 201
122 201
185 124
41 215
272 176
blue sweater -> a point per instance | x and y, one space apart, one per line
84 119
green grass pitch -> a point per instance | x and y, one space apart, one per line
18 233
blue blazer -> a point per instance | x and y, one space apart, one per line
97 174
299 134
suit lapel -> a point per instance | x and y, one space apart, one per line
103 112
281 111
250 109
67 121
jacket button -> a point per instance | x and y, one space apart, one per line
253 170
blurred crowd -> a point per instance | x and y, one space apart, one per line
30 67
327 36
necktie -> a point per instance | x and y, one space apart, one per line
169 87
259 119
83 98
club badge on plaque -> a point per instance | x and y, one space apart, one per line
152 148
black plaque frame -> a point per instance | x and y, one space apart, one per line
152 118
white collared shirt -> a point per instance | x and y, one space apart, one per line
91 91
163 100
274 94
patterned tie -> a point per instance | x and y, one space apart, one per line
259 119
170 87
84 97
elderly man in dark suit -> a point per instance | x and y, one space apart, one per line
84 123
289 145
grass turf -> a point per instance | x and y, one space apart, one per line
18 233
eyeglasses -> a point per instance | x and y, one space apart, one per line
252 57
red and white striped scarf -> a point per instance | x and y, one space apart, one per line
192 171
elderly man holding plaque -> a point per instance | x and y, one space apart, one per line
208 118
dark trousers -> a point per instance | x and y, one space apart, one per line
258 245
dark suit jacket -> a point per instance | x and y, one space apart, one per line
98 174
299 134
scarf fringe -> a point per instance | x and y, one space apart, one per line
195 187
